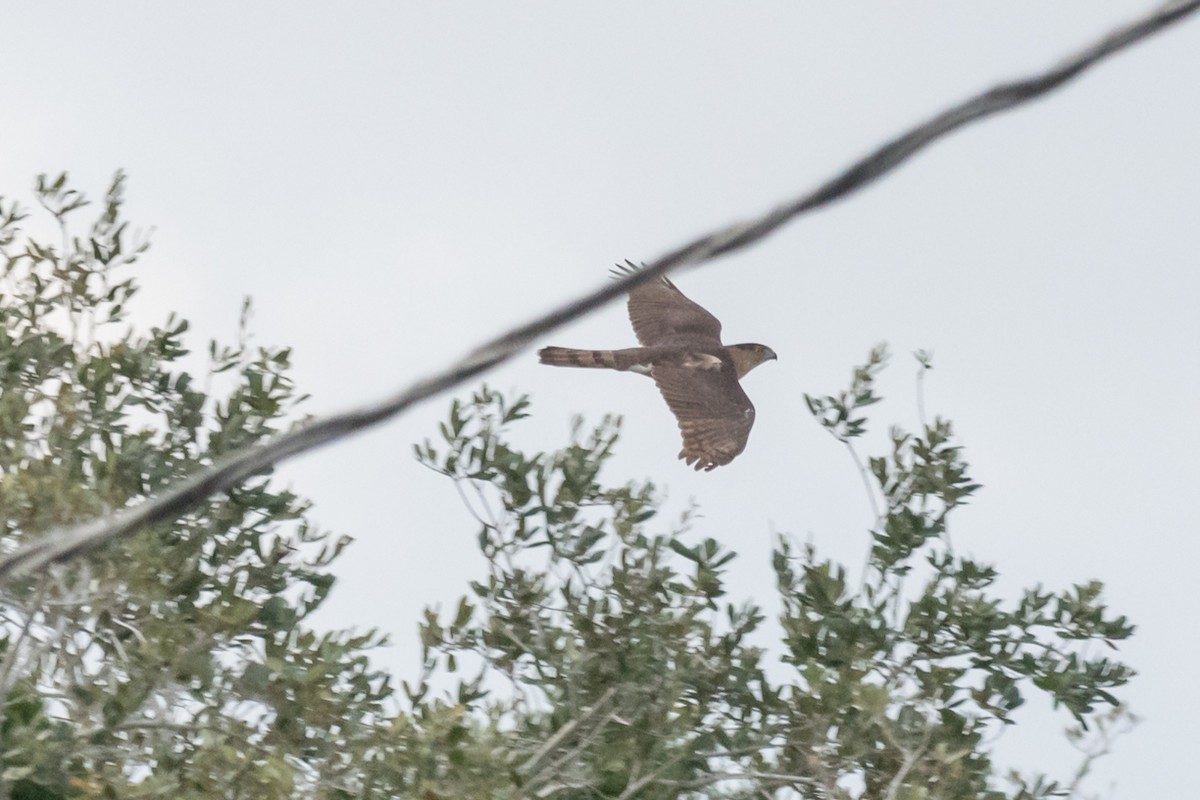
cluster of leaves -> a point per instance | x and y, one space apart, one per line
596 657
622 672
176 663
905 684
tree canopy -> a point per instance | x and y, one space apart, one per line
596 655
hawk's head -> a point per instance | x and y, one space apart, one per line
748 356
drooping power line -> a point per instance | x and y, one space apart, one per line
60 544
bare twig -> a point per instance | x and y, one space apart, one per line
589 726
775 778
911 756
1110 726
14 649
64 543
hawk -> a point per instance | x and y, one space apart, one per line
696 374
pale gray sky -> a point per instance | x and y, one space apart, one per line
394 182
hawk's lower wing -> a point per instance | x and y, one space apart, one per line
714 413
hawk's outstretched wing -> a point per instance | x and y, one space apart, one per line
697 375
663 316
714 413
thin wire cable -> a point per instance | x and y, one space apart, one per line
61 544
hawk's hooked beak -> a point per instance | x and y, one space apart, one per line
769 354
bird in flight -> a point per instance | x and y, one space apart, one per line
696 374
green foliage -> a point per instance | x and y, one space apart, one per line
596 656
617 668
175 664
906 683
622 664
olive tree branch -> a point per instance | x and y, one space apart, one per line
61 544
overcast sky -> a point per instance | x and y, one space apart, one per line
395 182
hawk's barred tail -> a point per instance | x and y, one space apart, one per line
570 357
